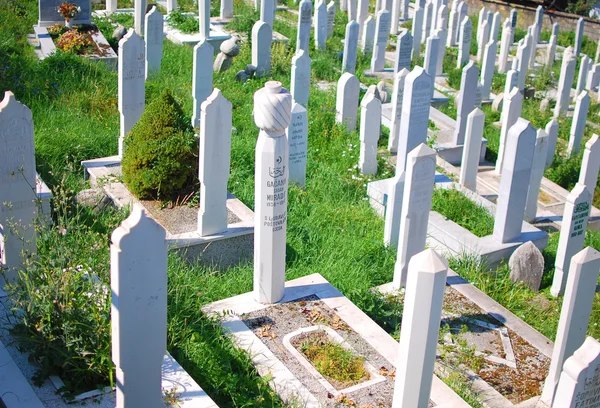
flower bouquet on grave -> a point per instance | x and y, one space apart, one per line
68 11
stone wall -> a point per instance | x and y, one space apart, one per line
567 22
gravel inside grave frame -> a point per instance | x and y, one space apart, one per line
288 317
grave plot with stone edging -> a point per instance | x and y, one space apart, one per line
446 236
181 220
308 302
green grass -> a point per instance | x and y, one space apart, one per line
331 227
454 205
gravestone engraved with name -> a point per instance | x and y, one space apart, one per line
297 136
397 100
350 47
49 15
262 35
300 82
404 47
464 43
272 114
304 24
382 30
346 105
466 100
579 384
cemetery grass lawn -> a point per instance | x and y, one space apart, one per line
331 228
454 205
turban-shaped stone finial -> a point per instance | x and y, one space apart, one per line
273 108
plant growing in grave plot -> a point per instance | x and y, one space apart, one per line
160 156
184 22
75 41
61 303
339 365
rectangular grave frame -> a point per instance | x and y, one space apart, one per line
227 248
449 238
487 393
287 386
47 47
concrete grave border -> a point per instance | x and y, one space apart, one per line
447 237
288 387
225 249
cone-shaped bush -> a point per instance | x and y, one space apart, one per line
160 153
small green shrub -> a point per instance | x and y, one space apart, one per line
159 154
184 22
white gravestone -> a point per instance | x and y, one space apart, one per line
512 81
139 13
584 69
304 24
579 36
511 111
427 17
370 129
462 13
415 113
520 146
453 25
466 100
572 235
262 35
431 56
442 19
404 9
579 384
481 18
416 204
382 30
297 136
495 29
552 131
350 47
111 6
472 149
331 10
393 210
267 11
368 36
464 43
132 82
505 44
397 99
396 5
202 77
421 324
154 41
487 70
272 114
539 21
582 106
483 39
320 25
574 316
590 164
513 17
593 77
417 32
343 5
565 82
597 58
226 10
551 51
204 19
404 46
362 15
441 34
537 173
346 105
523 55
138 280
213 171
352 11
17 186
300 82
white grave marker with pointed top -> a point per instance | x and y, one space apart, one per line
582 105
350 47
346 106
511 112
300 82
262 35
370 130
202 77
154 41
537 173
472 149
397 100
304 25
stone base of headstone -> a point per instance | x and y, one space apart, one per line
275 357
228 248
447 237
47 47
